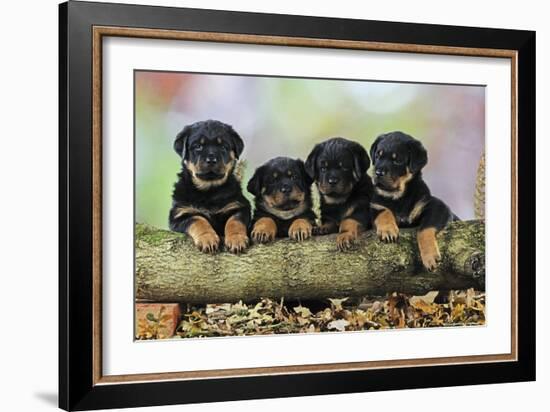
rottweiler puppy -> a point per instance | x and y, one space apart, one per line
282 191
207 201
339 169
402 198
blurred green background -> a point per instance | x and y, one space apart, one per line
286 117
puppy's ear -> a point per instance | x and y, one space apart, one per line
418 156
361 161
374 146
307 178
255 183
311 161
237 142
180 144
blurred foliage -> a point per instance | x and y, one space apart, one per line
286 117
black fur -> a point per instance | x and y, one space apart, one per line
339 168
395 155
283 177
209 151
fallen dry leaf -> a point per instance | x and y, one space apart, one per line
302 311
338 325
337 303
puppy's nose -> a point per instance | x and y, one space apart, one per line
380 172
286 189
333 180
211 159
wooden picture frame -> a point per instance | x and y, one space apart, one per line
82 27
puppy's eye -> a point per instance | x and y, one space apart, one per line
323 169
397 162
197 146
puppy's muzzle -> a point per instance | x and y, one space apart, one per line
211 159
286 198
286 189
334 187
210 169
384 180
289 204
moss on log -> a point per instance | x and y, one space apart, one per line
170 268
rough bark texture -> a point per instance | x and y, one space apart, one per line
170 269
479 194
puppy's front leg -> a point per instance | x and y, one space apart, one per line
349 230
386 226
203 234
429 250
300 229
264 230
236 239
435 217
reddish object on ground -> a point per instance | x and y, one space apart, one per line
156 320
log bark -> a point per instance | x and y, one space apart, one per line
170 269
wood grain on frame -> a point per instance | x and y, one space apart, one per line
97 243
100 31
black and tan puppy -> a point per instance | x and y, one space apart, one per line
283 201
207 201
339 169
402 198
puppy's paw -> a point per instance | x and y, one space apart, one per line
264 231
300 230
236 243
388 232
262 235
208 242
430 259
345 240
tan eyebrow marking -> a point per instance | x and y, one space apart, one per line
219 140
380 152
275 174
203 140
393 156
289 172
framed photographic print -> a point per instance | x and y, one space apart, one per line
256 205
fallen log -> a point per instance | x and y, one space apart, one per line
170 269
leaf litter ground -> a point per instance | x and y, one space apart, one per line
267 317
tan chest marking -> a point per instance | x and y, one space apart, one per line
417 210
285 214
191 210
349 211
